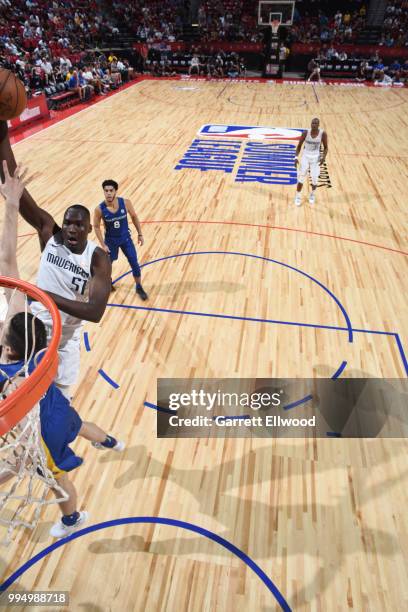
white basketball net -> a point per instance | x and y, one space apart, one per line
275 25
25 479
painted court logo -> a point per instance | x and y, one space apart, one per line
249 132
253 154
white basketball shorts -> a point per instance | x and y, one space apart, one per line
307 163
68 356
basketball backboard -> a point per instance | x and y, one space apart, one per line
271 10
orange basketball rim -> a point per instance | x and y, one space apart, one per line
20 402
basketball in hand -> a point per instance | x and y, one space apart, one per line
13 99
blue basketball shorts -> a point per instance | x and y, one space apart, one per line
129 250
60 425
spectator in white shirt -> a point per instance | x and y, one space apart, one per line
46 66
65 63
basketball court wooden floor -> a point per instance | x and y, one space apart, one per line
325 519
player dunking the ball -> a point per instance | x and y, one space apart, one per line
113 212
74 271
21 336
311 158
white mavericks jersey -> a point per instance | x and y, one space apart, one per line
311 146
67 274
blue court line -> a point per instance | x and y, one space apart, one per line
157 520
401 350
100 372
349 328
339 372
159 409
275 321
108 379
298 402
253 319
239 318
86 342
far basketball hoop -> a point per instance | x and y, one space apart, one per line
271 11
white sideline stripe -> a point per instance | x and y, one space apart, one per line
88 108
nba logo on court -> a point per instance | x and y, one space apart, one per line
249 132
268 155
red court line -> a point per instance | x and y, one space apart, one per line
274 227
288 229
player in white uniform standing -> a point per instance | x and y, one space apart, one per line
311 158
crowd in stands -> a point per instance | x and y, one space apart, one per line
151 21
395 27
91 75
86 74
44 42
313 24
60 25
373 69
395 72
231 20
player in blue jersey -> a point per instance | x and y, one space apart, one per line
22 335
113 211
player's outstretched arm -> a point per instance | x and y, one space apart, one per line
11 189
136 222
99 290
39 218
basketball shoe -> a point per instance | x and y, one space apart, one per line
141 292
312 198
116 445
298 199
60 530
